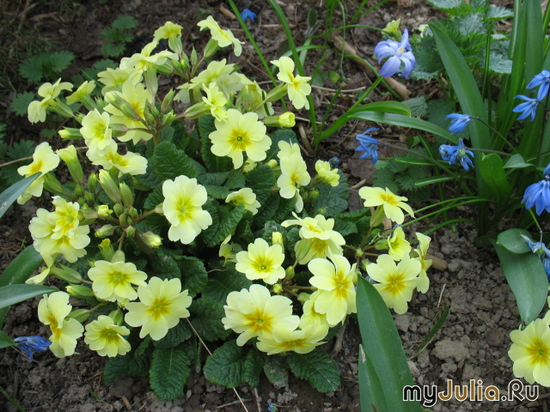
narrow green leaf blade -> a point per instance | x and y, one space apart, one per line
491 168
19 270
527 278
383 347
10 195
371 392
169 372
12 294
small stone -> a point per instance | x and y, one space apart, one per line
494 337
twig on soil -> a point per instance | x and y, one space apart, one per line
441 294
210 353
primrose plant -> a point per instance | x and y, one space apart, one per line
201 227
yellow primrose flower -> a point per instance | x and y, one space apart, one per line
96 131
223 37
240 133
228 251
422 251
262 261
53 311
212 74
49 92
69 155
396 282
64 217
130 163
392 204
336 279
287 149
294 174
171 32
106 337
82 93
50 242
44 160
216 101
113 280
135 95
246 197
284 339
161 306
318 239
144 61
310 315
530 352
255 312
183 198
113 79
326 174
297 86
398 245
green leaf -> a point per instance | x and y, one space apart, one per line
165 267
20 103
499 13
433 180
418 106
382 346
207 319
116 368
10 195
253 368
516 161
317 367
224 282
261 179
527 278
217 192
12 294
229 218
404 121
512 241
387 107
175 336
371 392
491 169
500 64
19 270
171 162
446 4
276 370
226 365
124 22
213 163
332 199
5 341
169 372
194 274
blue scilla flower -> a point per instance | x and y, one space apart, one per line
398 53
543 80
367 144
528 108
30 344
458 122
457 154
334 162
248 14
546 264
538 194
538 248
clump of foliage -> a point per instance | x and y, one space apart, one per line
117 36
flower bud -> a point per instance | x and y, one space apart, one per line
303 297
117 316
106 249
118 129
289 272
277 239
70 133
93 180
66 273
80 291
130 231
88 216
377 217
151 239
118 209
277 288
126 108
109 186
277 93
287 119
167 101
70 157
118 256
210 49
51 184
127 195
104 211
105 231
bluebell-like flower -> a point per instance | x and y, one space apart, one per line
538 248
457 154
248 14
538 195
458 122
334 162
367 144
543 80
546 264
399 53
528 108
30 344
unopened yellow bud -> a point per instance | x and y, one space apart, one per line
70 133
70 157
105 231
277 238
127 195
80 291
66 273
151 239
277 288
109 186
106 249
117 316
118 256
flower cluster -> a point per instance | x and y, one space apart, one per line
399 55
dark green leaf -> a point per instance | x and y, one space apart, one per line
224 282
317 367
171 162
226 365
229 218
20 103
253 368
169 372
491 169
213 163
176 335
12 294
276 370
261 180
512 241
207 320
194 275
165 267
10 195
116 368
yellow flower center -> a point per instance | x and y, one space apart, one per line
35 167
259 322
262 264
395 283
118 278
109 335
160 307
239 140
389 199
184 208
539 352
